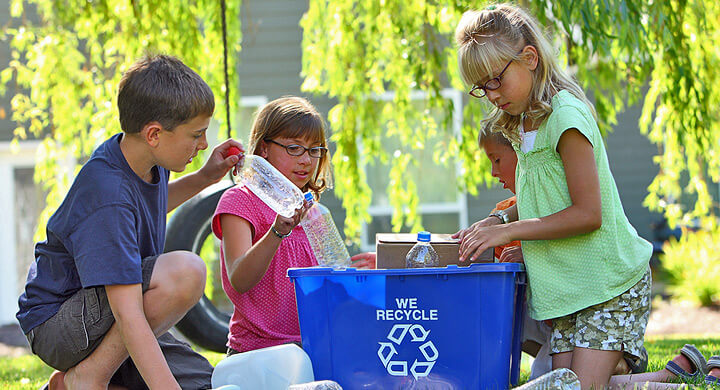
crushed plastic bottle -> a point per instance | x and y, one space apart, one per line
560 379
271 186
317 385
324 238
422 254
271 368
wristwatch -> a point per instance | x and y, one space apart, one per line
502 214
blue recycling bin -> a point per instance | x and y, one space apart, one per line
439 328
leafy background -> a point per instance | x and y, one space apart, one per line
67 57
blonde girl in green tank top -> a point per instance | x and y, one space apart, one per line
587 267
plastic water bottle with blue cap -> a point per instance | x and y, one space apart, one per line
324 238
422 254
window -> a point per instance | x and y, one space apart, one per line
242 122
443 207
21 201
248 108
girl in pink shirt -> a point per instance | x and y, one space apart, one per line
258 245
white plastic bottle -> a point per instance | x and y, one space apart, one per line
422 254
324 238
272 368
271 186
560 379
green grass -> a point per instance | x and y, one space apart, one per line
28 372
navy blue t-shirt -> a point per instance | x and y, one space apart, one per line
109 221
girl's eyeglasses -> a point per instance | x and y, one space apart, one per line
479 91
299 150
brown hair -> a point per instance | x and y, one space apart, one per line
496 35
162 88
294 117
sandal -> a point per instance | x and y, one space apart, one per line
696 359
710 380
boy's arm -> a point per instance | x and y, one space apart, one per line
126 302
216 167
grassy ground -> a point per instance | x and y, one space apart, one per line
28 372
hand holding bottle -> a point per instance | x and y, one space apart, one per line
283 226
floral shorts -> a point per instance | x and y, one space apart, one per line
615 325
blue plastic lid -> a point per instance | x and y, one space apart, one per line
423 236
309 197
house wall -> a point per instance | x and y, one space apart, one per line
270 65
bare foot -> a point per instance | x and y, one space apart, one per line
76 379
57 381
715 372
684 363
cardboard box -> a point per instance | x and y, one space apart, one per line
392 248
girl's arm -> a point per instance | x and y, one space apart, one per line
584 215
246 263
487 221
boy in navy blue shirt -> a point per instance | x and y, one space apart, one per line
100 290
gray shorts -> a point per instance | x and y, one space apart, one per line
80 325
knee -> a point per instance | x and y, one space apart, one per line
186 273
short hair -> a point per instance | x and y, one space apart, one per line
293 117
162 88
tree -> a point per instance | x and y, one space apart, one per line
67 58
355 50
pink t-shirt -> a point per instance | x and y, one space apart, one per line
266 315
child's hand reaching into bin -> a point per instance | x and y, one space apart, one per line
364 260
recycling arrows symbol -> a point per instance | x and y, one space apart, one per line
418 334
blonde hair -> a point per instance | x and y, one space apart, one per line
294 117
496 35
486 134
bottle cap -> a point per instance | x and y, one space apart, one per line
309 197
423 236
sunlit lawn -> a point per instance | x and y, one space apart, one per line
28 372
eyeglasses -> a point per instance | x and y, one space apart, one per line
299 150
479 92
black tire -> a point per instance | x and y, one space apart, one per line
188 228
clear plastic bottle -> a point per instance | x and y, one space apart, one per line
317 385
560 379
325 240
422 254
271 186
